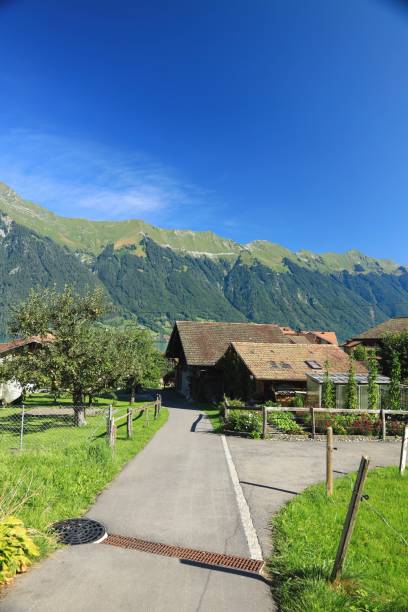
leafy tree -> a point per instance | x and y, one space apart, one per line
352 389
395 343
360 352
373 386
76 359
142 364
394 390
329 390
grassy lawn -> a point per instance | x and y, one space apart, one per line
45 431
306 534
64 468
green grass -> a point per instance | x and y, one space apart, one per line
43 431
61 474
306 534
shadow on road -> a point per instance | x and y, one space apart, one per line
255 484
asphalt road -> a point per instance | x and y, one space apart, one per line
176 491
272 472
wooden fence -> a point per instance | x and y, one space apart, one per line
313 412
111 424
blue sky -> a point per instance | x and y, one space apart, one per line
265 119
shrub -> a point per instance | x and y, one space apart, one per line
365 425
249 422
340 423
16 548
285 421
297 402
395 427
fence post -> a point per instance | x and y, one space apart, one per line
350 519
384 425
156 408
329 462
129 423
147 415
312 414
404 446
22 428
226 406
109 419
264 421
112 434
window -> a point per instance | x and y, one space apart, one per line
273 365
286 366
313 364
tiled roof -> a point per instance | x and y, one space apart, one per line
5 347
395 325
340 378
310 336
292 361
327 336
204 342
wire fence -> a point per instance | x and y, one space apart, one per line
47 427
27 427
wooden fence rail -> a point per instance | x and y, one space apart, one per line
313 411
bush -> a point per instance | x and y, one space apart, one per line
297 402
285 421
395 427
351 424
16 548
249 422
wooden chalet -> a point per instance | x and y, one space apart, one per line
263 371
372 337
197 346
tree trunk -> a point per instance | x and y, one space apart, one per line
79 408
79 416
132 394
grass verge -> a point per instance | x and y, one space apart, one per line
54 481
306 535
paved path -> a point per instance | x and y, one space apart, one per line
177 491
272 472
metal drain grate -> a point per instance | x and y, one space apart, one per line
187 554
80 531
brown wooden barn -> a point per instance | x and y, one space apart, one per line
197 346
263 371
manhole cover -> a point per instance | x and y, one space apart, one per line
80 531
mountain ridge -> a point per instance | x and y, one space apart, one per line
91 237
154 276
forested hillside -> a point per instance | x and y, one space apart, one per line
160 275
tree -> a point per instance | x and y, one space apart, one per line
142 364
79 357
395 343
329 390
394 390
373 386
352 389
360 352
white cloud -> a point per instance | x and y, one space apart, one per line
78 178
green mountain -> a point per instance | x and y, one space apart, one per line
159 275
